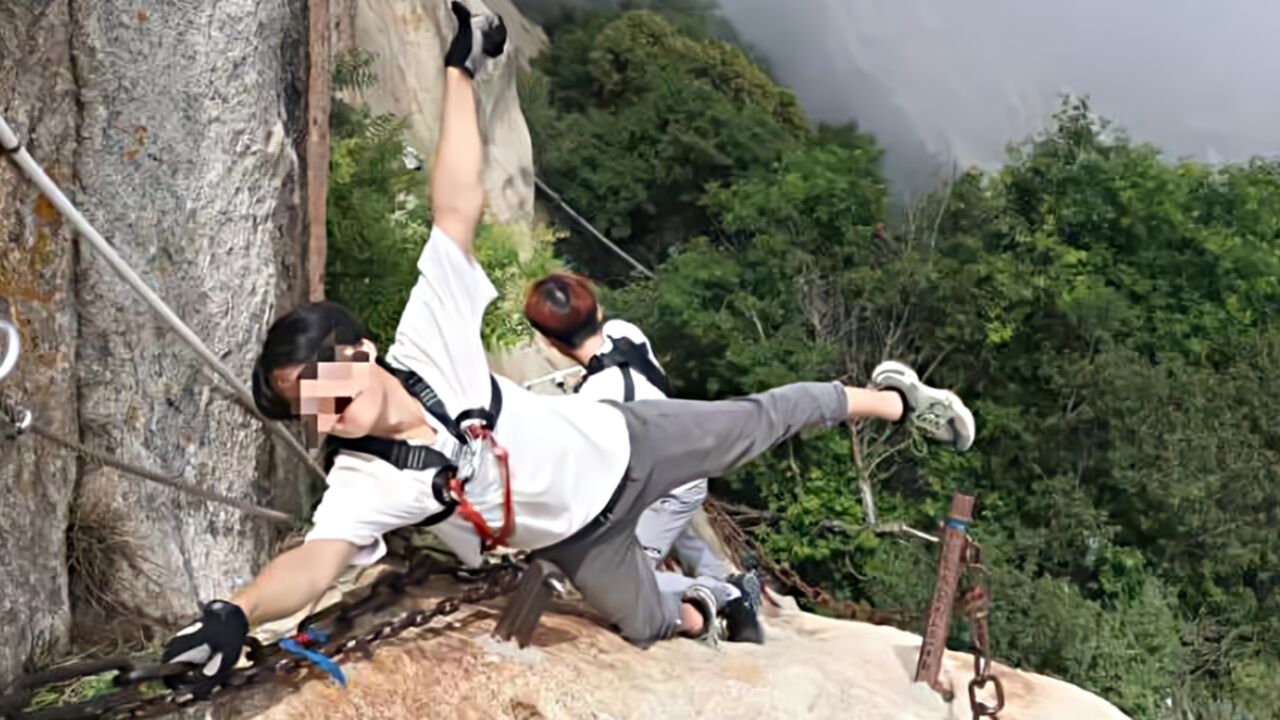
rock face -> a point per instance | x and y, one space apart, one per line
173 126
187 162
408 39
37 260
810 667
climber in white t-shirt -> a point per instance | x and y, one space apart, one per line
422 433
622 366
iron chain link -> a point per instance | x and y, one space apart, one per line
134 698
977 607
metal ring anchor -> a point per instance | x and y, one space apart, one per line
12 346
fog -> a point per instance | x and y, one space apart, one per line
941 82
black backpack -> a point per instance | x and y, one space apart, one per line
627 355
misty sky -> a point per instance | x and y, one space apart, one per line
938 79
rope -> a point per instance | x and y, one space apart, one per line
20 420
14 149
555 197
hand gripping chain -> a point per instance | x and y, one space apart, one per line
135 696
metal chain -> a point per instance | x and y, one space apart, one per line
739 543
135 699
977 610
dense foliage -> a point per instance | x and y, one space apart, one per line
1109 314
377 224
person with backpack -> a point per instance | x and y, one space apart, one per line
621 366
423 434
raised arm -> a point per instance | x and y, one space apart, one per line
457 189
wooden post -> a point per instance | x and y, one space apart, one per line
318 99
954 540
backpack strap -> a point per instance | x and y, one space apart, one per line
398 452
628 384
627 355
426 395
490 416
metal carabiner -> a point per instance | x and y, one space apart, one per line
12 346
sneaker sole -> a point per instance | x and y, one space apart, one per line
893 367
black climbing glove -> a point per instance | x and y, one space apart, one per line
478 38
214 642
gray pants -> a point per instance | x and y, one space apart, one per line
674 442
664 529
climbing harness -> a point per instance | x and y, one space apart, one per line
627 355
14 149
329 634
481 463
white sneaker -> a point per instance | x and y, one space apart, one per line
705 601
939 414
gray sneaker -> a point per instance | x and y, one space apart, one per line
938 414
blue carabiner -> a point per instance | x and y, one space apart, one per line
296 646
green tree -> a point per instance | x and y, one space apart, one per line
376 220
1109 314
637 118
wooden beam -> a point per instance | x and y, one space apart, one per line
318 98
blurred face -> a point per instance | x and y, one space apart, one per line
341 397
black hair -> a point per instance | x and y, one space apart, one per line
307 334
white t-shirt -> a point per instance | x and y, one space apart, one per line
567 454
608 384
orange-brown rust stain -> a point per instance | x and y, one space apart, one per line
27 277
141 17
46 214
22 270
135 148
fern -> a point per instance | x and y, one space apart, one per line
353 71
379 129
